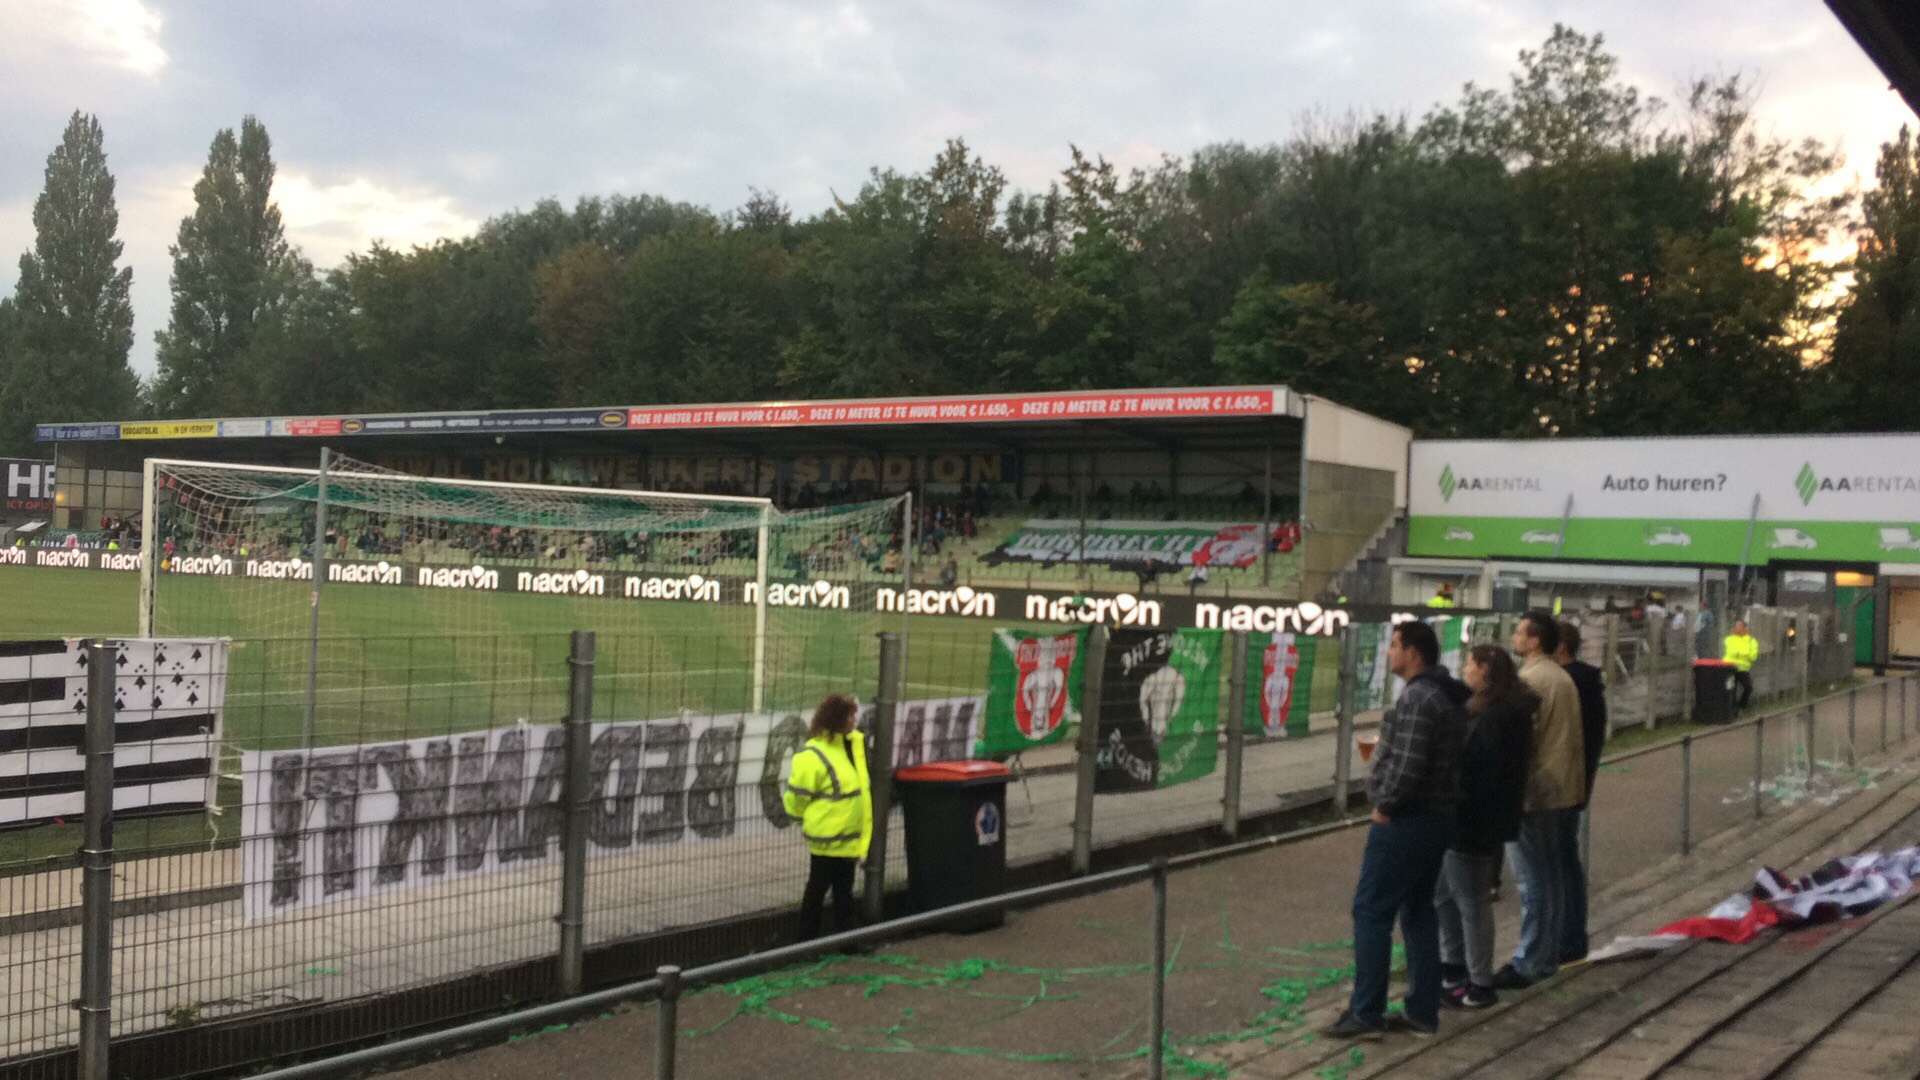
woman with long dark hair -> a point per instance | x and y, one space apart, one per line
1493 787
827 790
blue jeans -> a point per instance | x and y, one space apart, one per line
1573 883
1538 870
1397 875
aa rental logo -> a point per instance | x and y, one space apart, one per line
1809 483
1451 482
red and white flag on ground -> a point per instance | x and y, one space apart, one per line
1842 889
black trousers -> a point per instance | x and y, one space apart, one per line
826 872
1742 689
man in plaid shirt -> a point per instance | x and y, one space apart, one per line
1414 788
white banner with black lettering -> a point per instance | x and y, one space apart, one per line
344 822
168 696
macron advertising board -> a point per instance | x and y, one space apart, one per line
1837 498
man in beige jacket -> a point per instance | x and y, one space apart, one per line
1556 786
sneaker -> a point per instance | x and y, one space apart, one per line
1508 978
1452 975
1470 996
1350 1026
1402 1023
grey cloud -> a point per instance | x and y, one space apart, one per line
496 104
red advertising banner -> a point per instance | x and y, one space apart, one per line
1128 404
326 425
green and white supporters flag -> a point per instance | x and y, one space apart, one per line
1159 718
1456 639
1121 544
1033 691
1282 699
1372 687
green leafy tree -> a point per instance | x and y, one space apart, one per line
233 273
1876 347
65 335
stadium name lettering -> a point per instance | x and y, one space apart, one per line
204 565
686 471
960 601
380 573
462 577
578 583
819 594
1307 618
280 569
1122 610
695 587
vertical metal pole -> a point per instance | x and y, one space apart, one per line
760 610
1087 748
1236 642
1343 714
1852 754
96 866
1883 704
880 771
1686 795
576 809
1157 1002
1759 760
1266 517
1608 654
667 1031
319 564
150 544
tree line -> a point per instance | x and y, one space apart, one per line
1559 255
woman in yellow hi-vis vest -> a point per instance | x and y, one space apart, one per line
827 791
1741 649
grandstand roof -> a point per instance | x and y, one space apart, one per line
1059 418
1889 31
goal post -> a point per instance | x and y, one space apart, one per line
413 567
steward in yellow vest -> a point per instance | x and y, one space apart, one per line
828 791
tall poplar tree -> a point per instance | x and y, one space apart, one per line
233 271
65 338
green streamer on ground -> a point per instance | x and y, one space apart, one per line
1280 1022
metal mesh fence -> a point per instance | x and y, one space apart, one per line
407 865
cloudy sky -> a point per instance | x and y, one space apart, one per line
414 120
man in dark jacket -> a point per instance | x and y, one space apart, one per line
1414 788
1592 689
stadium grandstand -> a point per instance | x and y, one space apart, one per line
1252 491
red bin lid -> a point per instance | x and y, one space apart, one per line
1703 662
953 770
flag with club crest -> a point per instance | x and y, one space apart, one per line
1279 684
1033 691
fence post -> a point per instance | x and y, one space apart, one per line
575 798
1609 654
667 1030
1343 715
1686 795
1087 748
1852 754
1236 731
1759 759
886 699
1157 1002
1653 675
96 866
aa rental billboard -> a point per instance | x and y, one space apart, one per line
1731 500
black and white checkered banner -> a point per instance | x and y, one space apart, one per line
168 694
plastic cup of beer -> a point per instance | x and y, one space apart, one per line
1366 741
